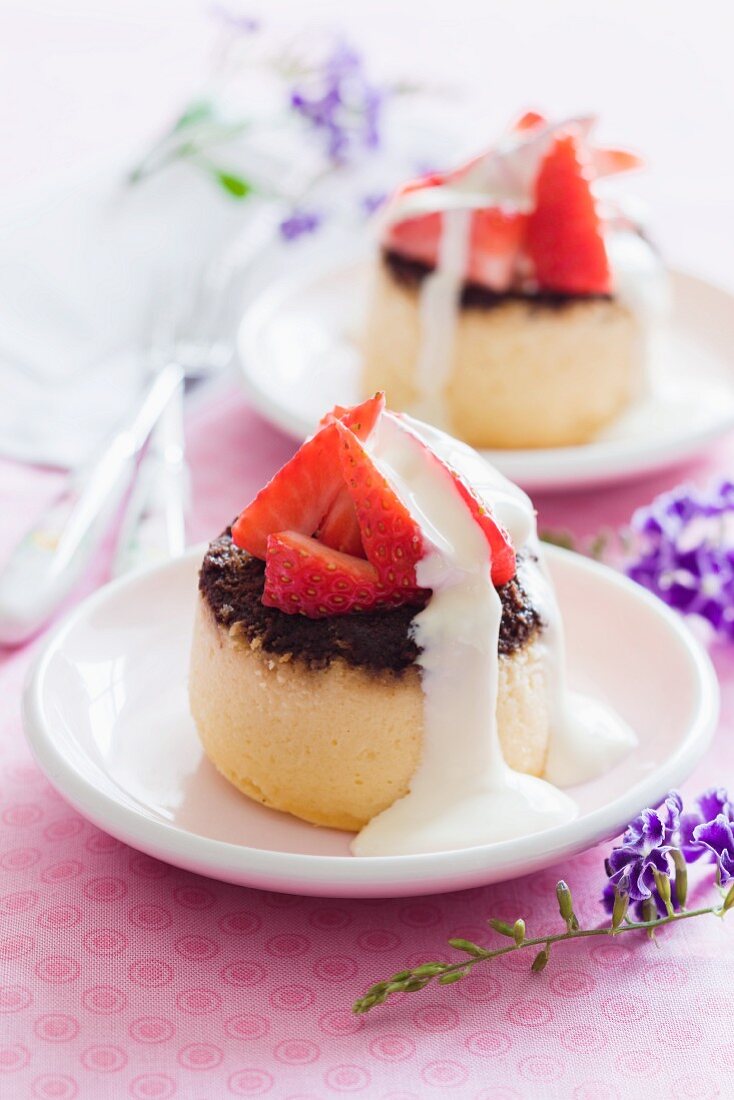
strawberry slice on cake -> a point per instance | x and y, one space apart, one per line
333 533
565 238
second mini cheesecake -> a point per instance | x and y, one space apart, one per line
526 370
508 304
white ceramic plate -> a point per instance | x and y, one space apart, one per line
107 717
299 355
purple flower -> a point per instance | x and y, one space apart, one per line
707 830
709 805
299 222
341 104
372 203
717 837
235 21
686 552
644 849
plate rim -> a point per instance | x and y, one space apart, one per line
294 872
577 467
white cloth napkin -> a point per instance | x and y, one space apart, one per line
84 270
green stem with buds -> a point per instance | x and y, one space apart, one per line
410 981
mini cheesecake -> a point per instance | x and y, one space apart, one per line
379 603
323 718
497 309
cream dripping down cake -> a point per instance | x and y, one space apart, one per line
511 302
377 646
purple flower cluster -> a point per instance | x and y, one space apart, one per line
650 840
339 101
686 552
298 223
371 203
645 845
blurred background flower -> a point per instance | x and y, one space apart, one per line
297 119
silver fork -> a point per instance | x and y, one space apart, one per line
194 328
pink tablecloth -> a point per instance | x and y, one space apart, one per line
120 976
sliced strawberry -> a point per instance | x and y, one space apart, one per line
391 537
495 240
302 493
360 419
502 553
608 162
302 576
564 232
531 120
494 246
417 238
340 527
297 498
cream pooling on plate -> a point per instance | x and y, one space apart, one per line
463 793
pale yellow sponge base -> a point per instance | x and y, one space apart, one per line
522 374
335 746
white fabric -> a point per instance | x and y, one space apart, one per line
84 273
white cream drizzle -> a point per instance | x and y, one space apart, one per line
439 311
463 793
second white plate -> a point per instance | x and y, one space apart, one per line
299 355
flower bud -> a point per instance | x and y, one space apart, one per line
428 970
728 900
681 877
518 931
541 960
565 906
502 927
621 903
454 976
649 912
662 884
470 948
414 984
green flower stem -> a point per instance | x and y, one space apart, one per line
183 145
410 981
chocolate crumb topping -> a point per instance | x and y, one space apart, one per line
231 581
411 273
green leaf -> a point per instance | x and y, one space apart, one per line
200 110
238 187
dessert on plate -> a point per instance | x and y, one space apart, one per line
510 302
377 647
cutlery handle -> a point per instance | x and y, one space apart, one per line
154 524
52 556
